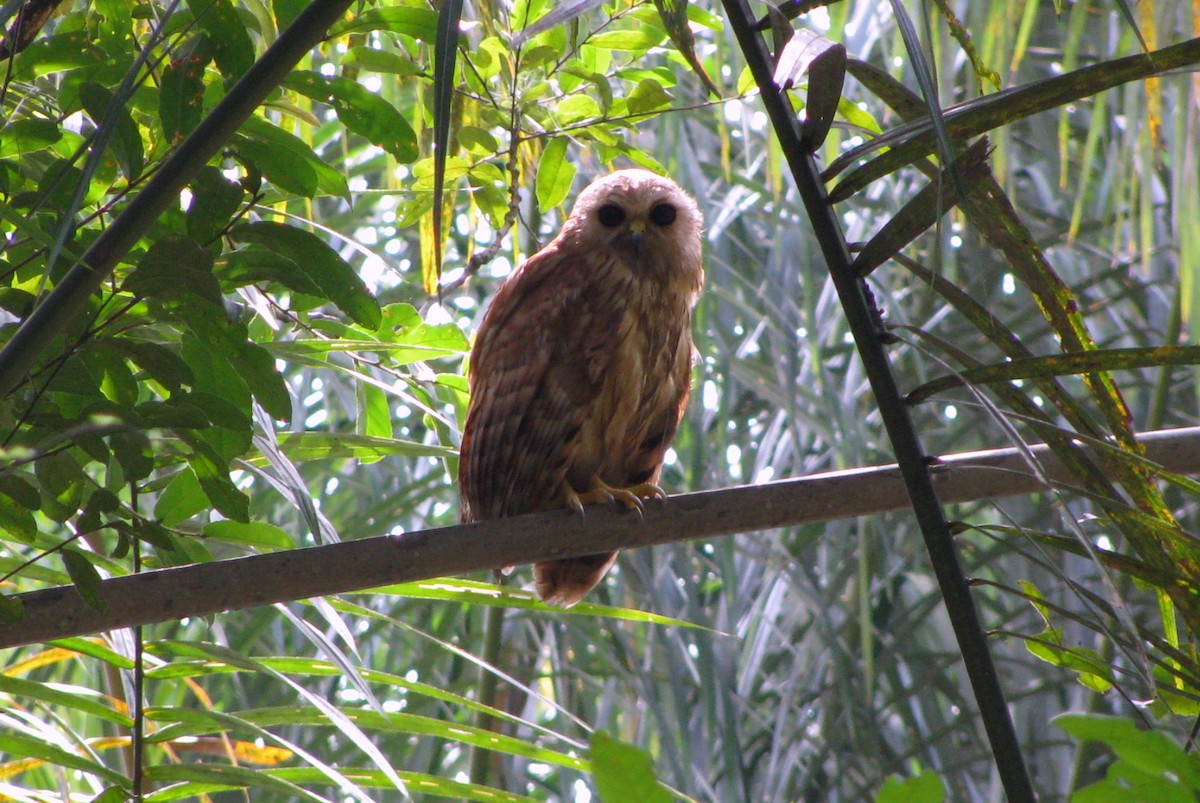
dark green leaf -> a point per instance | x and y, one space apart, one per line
215 200
126 139
286 169
163 364
323 266
22 137
178 271
361 110
329 180
231 45
214 480
133 452
85 577
181 96
16 520
286 11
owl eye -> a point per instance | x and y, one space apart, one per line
663 214
610 215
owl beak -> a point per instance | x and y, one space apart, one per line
637 234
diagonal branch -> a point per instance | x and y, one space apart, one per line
208 588
863 320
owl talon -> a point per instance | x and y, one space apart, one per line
603 493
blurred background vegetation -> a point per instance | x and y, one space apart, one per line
278 363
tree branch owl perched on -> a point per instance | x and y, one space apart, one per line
582 366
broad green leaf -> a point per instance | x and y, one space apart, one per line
333 275
304 446
126 140
554 175
647 96
1150 751
286 169
85 577
419 23
380 61
181 499
22 137
231 45
177 270
575 109
159 362
62 51
214 479
637 41
215 200
16 520
181 96
252 533
134 452
624 772
927 787
361 110
330 181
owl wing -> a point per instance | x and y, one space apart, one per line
536 367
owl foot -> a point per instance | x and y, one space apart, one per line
603 493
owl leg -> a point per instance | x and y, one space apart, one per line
601 492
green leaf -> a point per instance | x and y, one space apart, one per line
647 96
126 141
214 479
554 175
361 110
927 787
624 772
85 577
419 23
22 137
1149 751
181 499
575 109
231 44
134 452
252 533
16 520
286 169
639 40
330 181
63 51
304 446
181 96
215 200
162 364
321 264
177 270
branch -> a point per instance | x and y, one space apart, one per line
208 588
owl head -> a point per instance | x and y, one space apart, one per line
647 217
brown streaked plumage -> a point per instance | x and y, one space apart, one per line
581 369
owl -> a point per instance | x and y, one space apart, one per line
581 369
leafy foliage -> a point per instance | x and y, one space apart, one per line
277 363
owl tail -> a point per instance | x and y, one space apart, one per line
565 582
